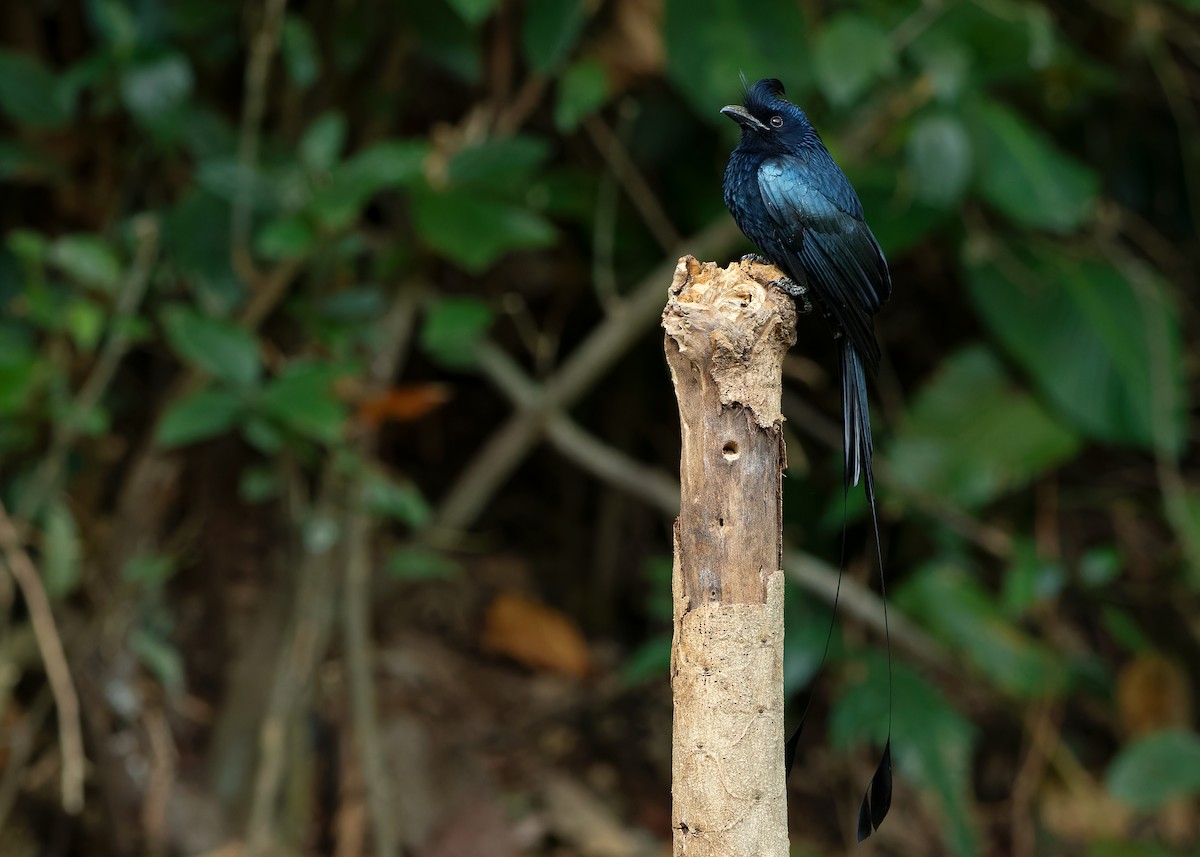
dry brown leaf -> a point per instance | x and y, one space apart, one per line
402 404
1152 694
535 635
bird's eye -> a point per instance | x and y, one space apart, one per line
776 121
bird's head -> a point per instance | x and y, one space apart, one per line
769 121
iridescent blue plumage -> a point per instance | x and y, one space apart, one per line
790 198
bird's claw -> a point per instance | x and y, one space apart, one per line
754 257
798 292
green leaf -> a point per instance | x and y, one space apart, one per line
60 551
1022 173
227 179
30 94
650 660
28 246
581 92
711 43
656 580
263 435
19 376
898 220
205 133
195 237
115 24
214 345
86 259
472 11
474 231
20 363
417 563
499 165
939 159
807 622
451 329
322 142
971 435
156 87
1089 339
1030 580
932 742
160 657
1124 629
1003 40
258 484
963 614
285 238
354 305
947 62
444 39
302 399
85 323
851 52
549 32
1156 769
92 422
300 55
1100 566
401 501
149 569
204 414
392 163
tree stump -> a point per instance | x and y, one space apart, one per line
726 336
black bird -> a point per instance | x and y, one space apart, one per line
790 198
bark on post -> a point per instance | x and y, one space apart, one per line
726 335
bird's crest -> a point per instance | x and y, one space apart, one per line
764 95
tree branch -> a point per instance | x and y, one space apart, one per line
66 432
509 445
41 616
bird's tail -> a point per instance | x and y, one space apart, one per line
856 421
856 418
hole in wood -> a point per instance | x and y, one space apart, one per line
730 450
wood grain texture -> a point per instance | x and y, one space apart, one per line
726 335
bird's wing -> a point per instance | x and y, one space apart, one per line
819 226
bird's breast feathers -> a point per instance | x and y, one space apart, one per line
791 187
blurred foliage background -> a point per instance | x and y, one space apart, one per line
338 453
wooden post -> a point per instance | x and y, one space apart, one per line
726 335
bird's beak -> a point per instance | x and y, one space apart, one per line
741 115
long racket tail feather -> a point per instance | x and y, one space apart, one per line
858 448
789 749
856 420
